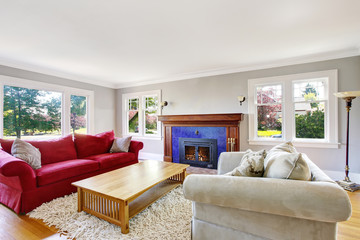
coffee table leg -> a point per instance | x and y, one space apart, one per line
124 216
80 199
183 176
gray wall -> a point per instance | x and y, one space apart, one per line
218 94
104 98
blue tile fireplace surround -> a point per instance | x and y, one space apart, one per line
213 133
199 140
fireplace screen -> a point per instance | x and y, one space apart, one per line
190 153
203 153
198 152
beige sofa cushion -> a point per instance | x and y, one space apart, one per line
251 165
283 161
287 166
27 152
283 147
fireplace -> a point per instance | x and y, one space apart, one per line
198 152
222 127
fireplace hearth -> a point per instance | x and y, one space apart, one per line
198 152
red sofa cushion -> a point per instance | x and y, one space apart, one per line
52 150
6 144
56 150
108 160
87 145
55 172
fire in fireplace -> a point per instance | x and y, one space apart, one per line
198 152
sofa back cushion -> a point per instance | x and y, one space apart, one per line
52 150
56 150
87 145
6 145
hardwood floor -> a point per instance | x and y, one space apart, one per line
14 227
350 230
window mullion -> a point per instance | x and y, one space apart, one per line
65 113
127 111
141 115
2 110
288 111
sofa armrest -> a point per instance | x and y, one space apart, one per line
320 201
228 161
11 166
135 147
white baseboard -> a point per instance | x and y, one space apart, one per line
340 175
151 156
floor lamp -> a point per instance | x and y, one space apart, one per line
347 184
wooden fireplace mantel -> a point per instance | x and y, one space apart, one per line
231 121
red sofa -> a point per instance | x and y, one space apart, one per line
63 161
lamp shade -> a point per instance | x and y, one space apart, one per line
352 94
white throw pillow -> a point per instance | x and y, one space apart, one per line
281 148
287 165
27 152
121 145
251 165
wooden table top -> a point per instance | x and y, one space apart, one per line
129 182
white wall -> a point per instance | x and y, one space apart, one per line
104 97
218 94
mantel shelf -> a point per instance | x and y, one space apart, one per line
229 119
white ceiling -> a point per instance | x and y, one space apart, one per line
117 43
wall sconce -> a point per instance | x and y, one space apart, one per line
241 99
163 104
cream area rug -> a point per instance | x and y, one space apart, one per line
167 218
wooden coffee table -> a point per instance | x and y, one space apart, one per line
119 195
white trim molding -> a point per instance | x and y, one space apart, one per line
151 156
112 83
340 175
348 52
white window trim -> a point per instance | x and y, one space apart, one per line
141 95
65 101
287 109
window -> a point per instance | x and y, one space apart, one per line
30 113
140 114
78 115
309 108
133 115
269 110
34 110
151 110
299 108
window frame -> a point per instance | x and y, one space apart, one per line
256 105
141 109
288 109
66 92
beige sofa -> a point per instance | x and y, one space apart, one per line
230 207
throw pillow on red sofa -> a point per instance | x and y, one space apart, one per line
52 150
88 145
